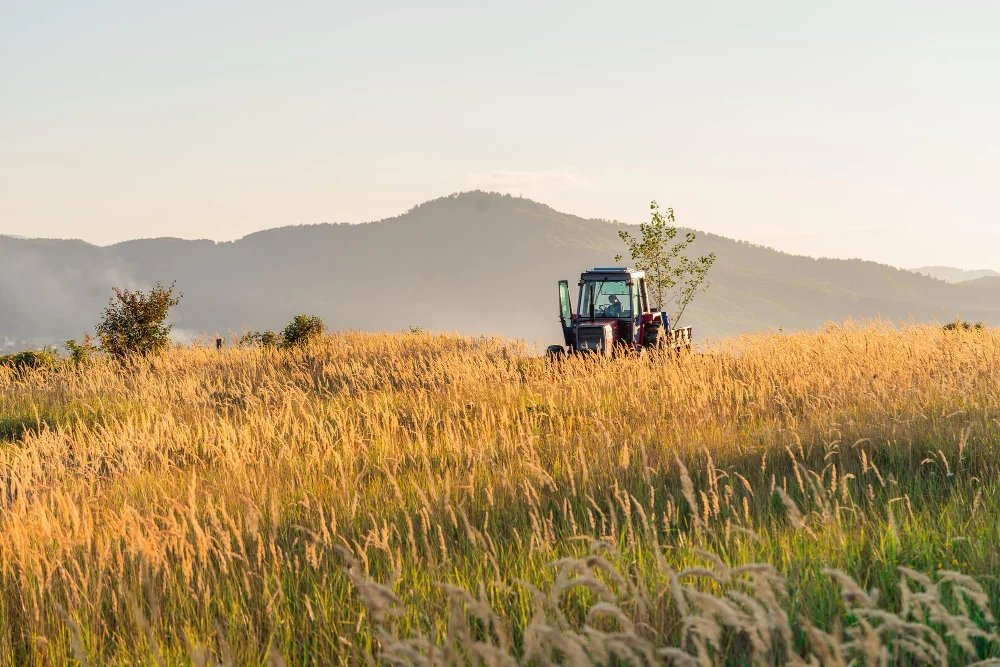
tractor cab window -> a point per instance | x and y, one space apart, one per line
611 298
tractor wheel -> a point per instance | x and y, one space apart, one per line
652 338
555 353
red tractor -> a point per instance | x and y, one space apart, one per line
613 315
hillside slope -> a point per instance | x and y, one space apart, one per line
952 275
475 262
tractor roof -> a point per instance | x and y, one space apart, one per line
611 273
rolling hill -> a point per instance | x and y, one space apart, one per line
952 275
474 262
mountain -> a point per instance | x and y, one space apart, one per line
952 275
473 262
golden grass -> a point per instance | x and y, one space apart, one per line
814 497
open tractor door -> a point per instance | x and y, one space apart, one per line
556 352
566 313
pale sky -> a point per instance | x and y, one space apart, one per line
849 129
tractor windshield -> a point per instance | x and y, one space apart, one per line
611 298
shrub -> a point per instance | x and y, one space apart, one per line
134 322
29 359
80 353
301 330
260 339
958 324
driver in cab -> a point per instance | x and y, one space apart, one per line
614 308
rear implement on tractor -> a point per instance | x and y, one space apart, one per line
613 315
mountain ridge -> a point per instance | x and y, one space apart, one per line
951 274
475 262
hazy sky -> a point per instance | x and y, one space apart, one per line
854 129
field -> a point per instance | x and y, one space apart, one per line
781 499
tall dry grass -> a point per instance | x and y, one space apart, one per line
813 498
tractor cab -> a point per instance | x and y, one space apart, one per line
612 312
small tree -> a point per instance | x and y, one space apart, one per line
670 274
301 330
81 353
135 322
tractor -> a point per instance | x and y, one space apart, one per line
613 316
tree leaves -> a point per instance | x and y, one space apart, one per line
671 276
134 321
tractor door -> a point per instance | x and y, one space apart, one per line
637 312
566 313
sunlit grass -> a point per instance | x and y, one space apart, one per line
206 504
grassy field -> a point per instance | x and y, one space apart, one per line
785 498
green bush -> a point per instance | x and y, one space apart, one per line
134 322
260 339
952 326
80 353
29 359
301 330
